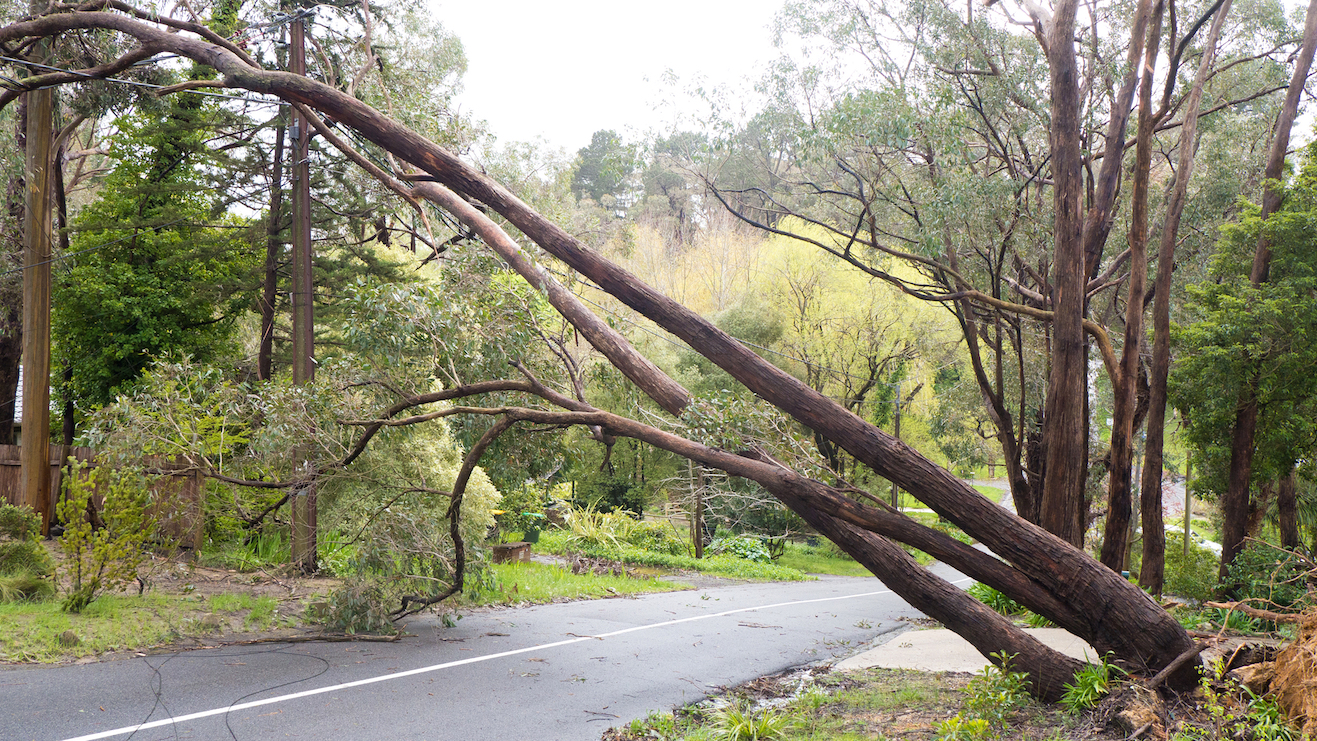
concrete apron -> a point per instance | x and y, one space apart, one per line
941 650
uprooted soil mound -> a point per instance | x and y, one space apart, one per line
1295 684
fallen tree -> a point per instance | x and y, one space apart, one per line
1031 565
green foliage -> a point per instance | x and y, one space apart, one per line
1270 575
658 537
590 530
19 523
1235 712
998 692
25 566
739 721
742 546
157 268
105 558
604 170
359 607
25 586
1091 684
1194 578
1240 333
958 728
995 600
730 566
536 583
265 549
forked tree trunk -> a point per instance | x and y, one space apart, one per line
1287 506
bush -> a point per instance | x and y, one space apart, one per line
659 537
742 546
107 557
995 600
1271 574
1194 578
361 606
25 567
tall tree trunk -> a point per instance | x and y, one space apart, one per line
1287 509
1115 543
273 245
1063 419
1235 504
1153 567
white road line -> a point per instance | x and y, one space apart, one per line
451 664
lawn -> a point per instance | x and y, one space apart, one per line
42 632
536 583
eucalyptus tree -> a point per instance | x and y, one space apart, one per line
976 148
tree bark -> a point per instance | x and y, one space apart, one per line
273 245
1115 541
1287 508
1234 504
1063 417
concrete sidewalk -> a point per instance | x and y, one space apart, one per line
941 650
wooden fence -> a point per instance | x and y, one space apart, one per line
179 496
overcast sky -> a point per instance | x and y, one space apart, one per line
564 69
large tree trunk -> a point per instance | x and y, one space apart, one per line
1063 417
1115 540
1234 505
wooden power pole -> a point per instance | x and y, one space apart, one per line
35 452
304 498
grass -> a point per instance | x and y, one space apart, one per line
537 583
993 493
555 541
820 559
884 704
30 632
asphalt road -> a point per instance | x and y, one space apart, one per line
560 672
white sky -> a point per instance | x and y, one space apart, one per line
563 70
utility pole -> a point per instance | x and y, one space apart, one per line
34 455
304 497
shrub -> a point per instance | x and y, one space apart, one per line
1091 684
1271 574
107 557
25 567
1193 578
659 537
997 693
742 546
995 600
361 606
